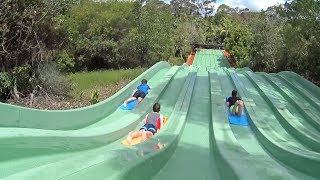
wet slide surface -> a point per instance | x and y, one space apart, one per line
281 142
193 155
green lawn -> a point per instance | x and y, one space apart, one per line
86 81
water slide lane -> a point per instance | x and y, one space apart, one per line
16 116
193 157
290 116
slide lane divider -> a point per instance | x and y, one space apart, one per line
305 108
307 96
280 107
223 139
307 85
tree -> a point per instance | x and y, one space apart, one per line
238 42
95 30
28 36
302 37
155 31
267 49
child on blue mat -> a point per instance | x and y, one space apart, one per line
152 122
235 104
142 90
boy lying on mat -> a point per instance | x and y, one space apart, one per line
235 104
153 122
140 93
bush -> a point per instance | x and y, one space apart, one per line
52 79
22 75
94 97
65 62
176 61
5 85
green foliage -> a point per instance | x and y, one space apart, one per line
5 82
155 29
65 61
267 50
280 38
302 37
238 42
188 30
94 97
52 80
28 36
90 35
176 61
24 80
27 31
95 30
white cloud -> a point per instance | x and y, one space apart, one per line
253 5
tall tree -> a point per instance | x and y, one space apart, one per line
28 36
302 37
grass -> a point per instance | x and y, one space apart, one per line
86 81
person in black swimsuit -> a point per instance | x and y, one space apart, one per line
235 104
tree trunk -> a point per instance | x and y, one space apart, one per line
15 92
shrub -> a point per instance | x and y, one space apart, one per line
65 62
22 75
94 97
52 79
5 85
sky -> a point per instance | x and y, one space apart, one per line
253 5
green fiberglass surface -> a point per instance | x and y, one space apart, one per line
198 142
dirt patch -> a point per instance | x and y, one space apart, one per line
53 102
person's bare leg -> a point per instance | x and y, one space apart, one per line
240 107
146 135
132 135
143 136
233 111
149 134
129 137
129 100
139 100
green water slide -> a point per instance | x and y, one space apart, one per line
281 142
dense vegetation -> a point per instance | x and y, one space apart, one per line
42 39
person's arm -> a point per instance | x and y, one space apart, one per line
145 119
135 90
161 121
228 102
148 89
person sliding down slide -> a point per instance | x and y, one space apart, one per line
142 90
235 104
153 122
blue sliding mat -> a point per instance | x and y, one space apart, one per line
238 120
130 105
